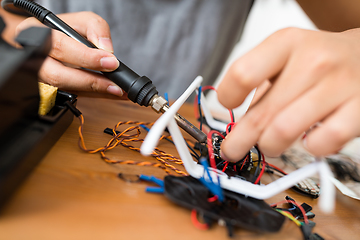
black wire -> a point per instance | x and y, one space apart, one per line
221 162
193 151
232 116
257 171
274 169
229 128
258 151
200 117
201 123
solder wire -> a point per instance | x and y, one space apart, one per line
122 138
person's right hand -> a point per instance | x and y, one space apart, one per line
62 68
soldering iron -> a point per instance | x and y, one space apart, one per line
140 89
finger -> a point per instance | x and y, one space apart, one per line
339 128
71 79
88 24
92 26
68 50
260 92
263 62
291 83
297 117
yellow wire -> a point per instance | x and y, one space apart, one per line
291 217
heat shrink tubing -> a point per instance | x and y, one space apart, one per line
139 89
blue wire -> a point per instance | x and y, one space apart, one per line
144 127
212 186
199 95
166 97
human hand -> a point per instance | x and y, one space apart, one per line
67 56
314 78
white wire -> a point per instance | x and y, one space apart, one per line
153 136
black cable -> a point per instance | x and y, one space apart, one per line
257 171
232 116
200 117
194 153
221 162
201 123
274 169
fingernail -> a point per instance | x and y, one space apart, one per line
115 90
110 63
106 44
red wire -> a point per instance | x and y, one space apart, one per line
231 116
213 199
247 156
229 125
211 151
204 88
195 221
262 169
210 147
296 204
226 164
277 168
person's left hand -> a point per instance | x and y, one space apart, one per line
315 78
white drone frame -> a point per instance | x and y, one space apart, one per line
327 197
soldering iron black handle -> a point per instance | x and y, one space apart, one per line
139 89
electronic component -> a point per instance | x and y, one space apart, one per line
307 187
294 211
236 210
247 168
238 185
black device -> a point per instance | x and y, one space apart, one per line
236 210
25 137
140 89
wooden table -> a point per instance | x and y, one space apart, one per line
76 195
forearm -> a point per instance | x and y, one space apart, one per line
333 15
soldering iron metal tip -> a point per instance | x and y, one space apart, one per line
159 104
189 127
